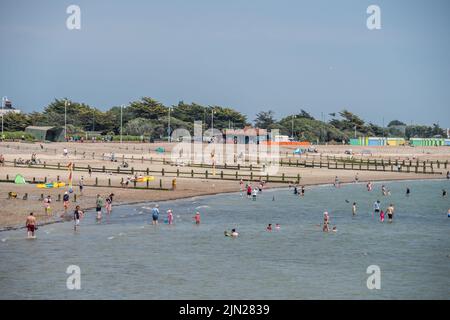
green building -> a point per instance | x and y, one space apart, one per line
53 134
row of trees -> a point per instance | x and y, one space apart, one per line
150 118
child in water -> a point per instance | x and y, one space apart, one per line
197 218
382 216
169 217
278 227
269 227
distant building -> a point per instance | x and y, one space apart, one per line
7 108
44 133
248 135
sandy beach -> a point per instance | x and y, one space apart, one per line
13 212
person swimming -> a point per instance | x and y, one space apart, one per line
233 233
278 227
269 227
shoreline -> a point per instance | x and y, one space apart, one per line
275 188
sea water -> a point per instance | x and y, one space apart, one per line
125 257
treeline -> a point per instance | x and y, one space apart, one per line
150 118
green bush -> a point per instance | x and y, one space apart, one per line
17 135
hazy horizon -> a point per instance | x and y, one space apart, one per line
251 56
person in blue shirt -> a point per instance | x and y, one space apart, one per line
155 214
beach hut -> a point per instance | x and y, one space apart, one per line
377 141
447 142
396 141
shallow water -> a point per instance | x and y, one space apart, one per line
125 257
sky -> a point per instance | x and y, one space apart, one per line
251 55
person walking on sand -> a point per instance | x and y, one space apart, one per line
31 225
99 204
155 214
77 216
65 152
197 218
354 209
81 185
47 207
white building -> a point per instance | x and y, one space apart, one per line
7 107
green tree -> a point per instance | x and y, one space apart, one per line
264 119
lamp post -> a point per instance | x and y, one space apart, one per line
121 118
168 128
3 110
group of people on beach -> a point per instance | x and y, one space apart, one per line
252 191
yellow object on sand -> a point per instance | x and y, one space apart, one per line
51 185
145 179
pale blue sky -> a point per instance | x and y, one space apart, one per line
249 55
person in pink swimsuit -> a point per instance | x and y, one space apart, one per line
169 217
382 216
197 218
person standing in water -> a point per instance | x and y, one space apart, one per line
155 214
65 202
254 193
269 227
108 203
390 212
249 191
31 225
77 215
197 218
444 192
376 207
354 209
302 192
408 191
169 217
99 205
382 216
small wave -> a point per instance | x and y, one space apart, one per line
4 239
201 207
110 238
